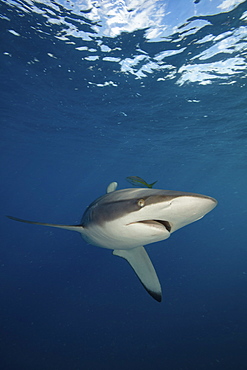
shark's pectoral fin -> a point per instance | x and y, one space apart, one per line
143 267
67 227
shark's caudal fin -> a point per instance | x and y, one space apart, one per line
67 227
143 267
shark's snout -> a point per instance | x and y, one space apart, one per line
206 204
187 209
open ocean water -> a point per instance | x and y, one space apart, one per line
93 92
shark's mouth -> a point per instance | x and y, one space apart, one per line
158 223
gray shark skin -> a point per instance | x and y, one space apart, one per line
126 220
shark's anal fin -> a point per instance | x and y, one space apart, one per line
143 267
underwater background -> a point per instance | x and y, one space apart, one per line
93 92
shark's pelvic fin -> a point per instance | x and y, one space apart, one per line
112 187
143 267
67 227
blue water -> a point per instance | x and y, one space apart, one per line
164 97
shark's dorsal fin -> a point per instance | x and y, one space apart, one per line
111 187
143 267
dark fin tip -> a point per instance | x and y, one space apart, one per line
155 295
11 217
19 219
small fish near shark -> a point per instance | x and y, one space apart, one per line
139 182
126 220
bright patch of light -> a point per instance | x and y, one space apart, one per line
235 42
168 53
51 55
109 83
229 4
207 72
111 59
105 48
14 33
127 16
90 25
82 48
92 58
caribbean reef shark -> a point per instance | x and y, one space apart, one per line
126 220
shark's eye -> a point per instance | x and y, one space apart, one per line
141 203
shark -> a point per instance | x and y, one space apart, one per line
128 219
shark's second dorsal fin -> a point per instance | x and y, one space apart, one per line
111 187
143 267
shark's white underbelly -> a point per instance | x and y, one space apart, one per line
130 236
